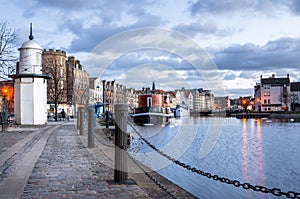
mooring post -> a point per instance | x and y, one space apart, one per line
106 119
120 169
78 118
81 121
91 127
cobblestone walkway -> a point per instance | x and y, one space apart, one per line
67 170
9 138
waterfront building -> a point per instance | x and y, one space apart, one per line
131 98
206 100
95 90
114 93
272 94
170 99
184 98
77 84
197 100
222 103
54 62
295 96
69 87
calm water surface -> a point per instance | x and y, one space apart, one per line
258 151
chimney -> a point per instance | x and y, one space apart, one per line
288 75
273 75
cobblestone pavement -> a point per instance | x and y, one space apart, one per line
64 167
67 170
12 136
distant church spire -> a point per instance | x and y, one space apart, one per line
153 87
31 36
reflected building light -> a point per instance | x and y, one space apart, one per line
245 151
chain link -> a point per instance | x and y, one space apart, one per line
152 178
236 183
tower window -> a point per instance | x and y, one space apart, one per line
61 72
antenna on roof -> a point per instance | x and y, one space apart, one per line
31 36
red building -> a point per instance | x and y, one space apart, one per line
150 100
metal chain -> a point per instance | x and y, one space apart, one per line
236 183
153 179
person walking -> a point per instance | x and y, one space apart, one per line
63 114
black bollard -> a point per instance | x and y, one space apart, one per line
91 127
106 119
78 118
120 169
81 124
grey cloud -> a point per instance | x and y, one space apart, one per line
229 76
89 37
279 53
230 6
82 5
295 6
239 92
212 6
150 56
196 27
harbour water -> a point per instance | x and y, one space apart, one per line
257 151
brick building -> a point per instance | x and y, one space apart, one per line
69 85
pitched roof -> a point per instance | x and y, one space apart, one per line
275 81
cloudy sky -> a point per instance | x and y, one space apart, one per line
222 45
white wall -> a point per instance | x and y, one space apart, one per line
30 101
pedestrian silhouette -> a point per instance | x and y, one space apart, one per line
63 114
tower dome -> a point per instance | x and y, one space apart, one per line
30 56
30 44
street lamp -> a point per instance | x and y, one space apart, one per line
4 115
103 86
97 93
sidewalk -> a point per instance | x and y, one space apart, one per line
54 162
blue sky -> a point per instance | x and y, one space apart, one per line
242 38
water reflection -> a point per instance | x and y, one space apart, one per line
257 151
260 175
252 153
245 150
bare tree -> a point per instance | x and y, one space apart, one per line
8 56
294 99
56 90
284 98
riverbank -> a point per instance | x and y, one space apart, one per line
285 116
271 115
152 183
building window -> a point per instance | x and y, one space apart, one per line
149 101
62 84
268 93
269 101
265 101
61 72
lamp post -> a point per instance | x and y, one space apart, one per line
4 115
103 88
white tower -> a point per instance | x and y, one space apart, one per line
30 88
